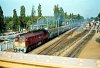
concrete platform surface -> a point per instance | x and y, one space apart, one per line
19 60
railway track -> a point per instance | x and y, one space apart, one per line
65 45
46 50
76 51
57 48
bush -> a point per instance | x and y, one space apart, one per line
98 40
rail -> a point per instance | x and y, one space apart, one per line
81 45
46 46
68 51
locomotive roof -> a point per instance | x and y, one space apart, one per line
34 31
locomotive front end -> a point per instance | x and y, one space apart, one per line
19 44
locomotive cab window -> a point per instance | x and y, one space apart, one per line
16 39
21 39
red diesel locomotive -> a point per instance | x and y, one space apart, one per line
24 42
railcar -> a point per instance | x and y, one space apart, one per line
26 41
54 32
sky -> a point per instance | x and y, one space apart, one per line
86 8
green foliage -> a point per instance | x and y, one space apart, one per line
33 14
78 16
2 24
56 11
98 16
15 21
72 16
7 22
65 14
10 25
98 40
59 14
39 10
24 22
22 17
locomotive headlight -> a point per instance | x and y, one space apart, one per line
21 44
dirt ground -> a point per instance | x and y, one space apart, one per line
92 49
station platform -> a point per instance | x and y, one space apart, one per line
21 60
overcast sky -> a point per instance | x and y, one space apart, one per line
86 8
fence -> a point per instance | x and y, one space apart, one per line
6 45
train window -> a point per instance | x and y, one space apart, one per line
21 39
33 37
16 39
41 34
38 35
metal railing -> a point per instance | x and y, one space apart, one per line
6 45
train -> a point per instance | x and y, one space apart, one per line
27 41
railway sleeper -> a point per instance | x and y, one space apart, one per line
61 48
80 46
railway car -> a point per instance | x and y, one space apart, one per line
24 42
54 32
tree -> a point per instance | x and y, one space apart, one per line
98 16
2 24
71 15
61 16
15 21
56 11
78 16
22 17
39 11
8 22
66 15
33 14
